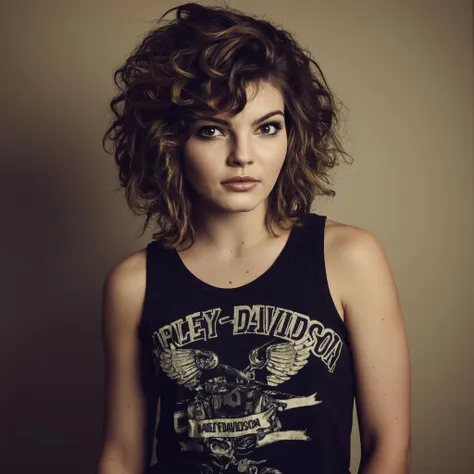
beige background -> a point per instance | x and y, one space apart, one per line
404 70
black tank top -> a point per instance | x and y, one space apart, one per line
256 379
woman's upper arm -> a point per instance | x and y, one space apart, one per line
125 399
376 330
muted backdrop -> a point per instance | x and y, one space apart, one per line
403 69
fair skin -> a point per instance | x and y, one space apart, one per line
373 316
228 222
232 235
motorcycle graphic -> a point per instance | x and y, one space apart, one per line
230 416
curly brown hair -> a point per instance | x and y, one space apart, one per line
203 61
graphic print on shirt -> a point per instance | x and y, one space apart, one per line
230 412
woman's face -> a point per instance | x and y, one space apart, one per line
217 152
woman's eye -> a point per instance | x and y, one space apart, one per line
202 131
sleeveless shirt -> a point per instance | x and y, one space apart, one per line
255 379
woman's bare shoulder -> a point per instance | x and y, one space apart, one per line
340 236
125 284
336 230
132 267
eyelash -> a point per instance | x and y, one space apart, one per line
277 125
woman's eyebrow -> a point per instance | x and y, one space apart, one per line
228 124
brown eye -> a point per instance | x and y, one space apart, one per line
201 133
203 129
277 125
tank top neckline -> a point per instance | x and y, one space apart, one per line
257 282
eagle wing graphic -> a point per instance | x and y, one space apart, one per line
185 366
285 360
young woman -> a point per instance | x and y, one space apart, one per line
254 322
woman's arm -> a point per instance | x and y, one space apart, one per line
374 320
129 406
